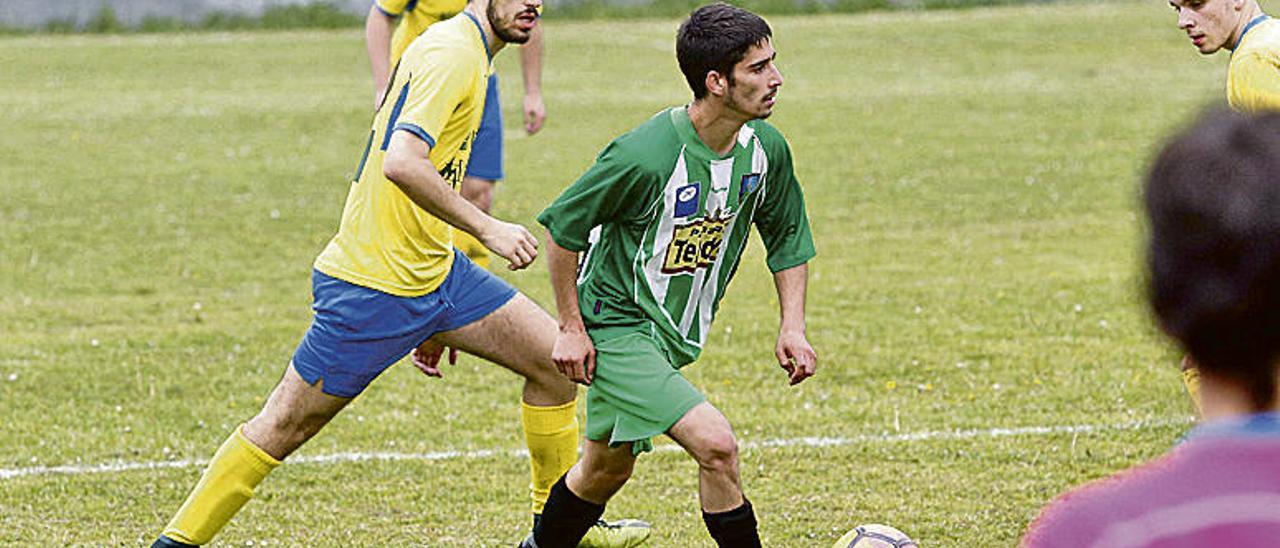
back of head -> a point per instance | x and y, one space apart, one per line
1213 198
714 38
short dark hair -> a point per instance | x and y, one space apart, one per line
715 37
1213 199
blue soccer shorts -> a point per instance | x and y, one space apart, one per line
358 332
486 150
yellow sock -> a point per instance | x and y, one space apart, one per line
226 485
1191 379
552 436
475 250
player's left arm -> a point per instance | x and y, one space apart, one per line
783 223
793 350
535 110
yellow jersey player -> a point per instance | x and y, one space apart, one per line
1253 74
390 284
390 27
1252 37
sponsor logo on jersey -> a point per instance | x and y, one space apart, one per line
687 200
455 168
749 183
695 245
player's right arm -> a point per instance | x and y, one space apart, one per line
574 354
609 191
407 165
379 26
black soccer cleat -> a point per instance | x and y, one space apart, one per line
166 542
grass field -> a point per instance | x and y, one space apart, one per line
971 177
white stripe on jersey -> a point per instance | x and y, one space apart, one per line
657 281
593 238
718 204
744 138
759 164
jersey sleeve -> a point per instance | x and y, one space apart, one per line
393 8
612 189
782 221
1256 81
435 88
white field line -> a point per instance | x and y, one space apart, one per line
112 467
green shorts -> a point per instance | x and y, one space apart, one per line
636 394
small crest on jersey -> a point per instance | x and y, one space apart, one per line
749 183
687 200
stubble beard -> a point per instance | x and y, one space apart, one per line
731 102
502 32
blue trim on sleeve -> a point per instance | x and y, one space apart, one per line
480 29
417 131
395 115
1248 28
411 5
385 12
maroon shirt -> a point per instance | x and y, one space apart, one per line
1220 488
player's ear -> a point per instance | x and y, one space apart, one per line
717 84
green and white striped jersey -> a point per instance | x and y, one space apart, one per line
664 220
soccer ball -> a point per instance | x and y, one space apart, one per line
874 535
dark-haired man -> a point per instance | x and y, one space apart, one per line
1213 198
389 282
663 216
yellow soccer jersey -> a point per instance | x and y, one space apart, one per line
1253 77
415 16
386 242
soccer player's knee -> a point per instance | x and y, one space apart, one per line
552 384
612 476
478 192
284 430
718 452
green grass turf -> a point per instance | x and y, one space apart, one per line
972 181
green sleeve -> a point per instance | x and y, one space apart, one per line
782 220
612 189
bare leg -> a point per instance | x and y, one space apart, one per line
478 191
294 413
706 435
518 336
601 472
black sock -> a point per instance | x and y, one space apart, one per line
735 528
565 518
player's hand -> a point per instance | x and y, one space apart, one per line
511 242
426 357
535 113
796 356
575 356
